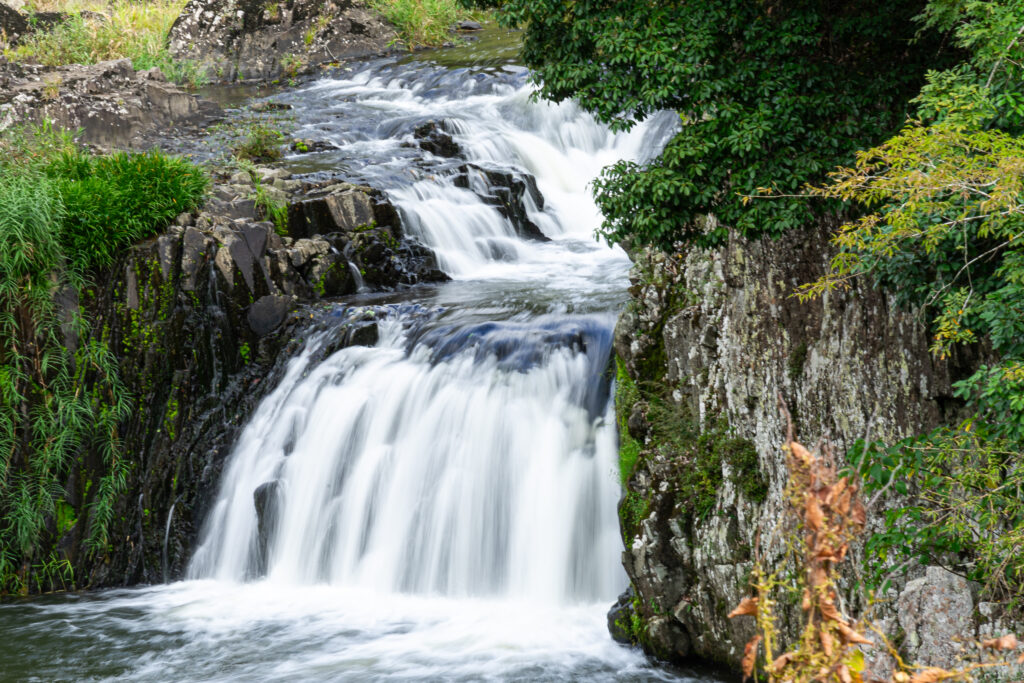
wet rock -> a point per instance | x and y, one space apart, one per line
113 105
308 146
433 138
470 26
514 194
267 313
620 618
267 500
258 40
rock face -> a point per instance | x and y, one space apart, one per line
111 103
202 319
12 24
258 40
717 334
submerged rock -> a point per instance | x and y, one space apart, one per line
433 138
258 40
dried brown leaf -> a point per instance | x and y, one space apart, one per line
858 514
929 675
801 453
850 636
746 606
844 674
826 642
813 514
781 661
835 491
1007 642
829 611
750 656
805 603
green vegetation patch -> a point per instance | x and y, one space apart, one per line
423 22
121 29
64 213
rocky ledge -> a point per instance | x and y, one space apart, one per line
202 319
257 40
112 104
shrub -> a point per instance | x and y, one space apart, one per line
261 143
114 200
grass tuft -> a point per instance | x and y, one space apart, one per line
423 22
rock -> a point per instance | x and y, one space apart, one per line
513 193
307 146
256 40
267 500
112 104
12 24
620 618
269 105
470 26
433 138
936 614
267 313
719 332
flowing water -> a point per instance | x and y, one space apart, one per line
440 506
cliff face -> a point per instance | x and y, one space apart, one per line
202 319
704 346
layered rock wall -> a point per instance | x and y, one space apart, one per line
709 340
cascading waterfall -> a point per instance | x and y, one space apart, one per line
394 469
487 472
440 505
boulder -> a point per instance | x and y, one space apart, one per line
12 24
257 40
433 138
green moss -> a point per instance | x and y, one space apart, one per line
695 455
797 358
626 396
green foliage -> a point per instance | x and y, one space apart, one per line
62 213
422 22
626 396
959 503
770 94
945 207
112 201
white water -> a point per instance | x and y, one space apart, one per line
447 496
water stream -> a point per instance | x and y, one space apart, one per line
440 506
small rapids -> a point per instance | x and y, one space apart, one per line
440 505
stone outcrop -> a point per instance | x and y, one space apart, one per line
513 193
259 40
718 334
112 104
202 319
